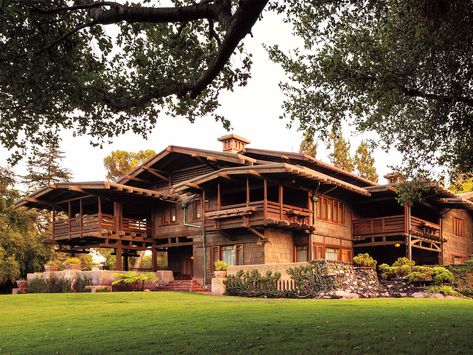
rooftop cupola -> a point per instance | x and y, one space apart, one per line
233 143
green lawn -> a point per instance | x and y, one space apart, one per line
172 322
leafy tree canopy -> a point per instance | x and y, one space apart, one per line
103 68
403 69
120 162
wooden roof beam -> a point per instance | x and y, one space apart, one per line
156 173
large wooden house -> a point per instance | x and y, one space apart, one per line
251 206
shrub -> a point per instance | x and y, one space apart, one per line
253 284
364 260
404 261
72 261
103 289
441 275
50 285
444 290
416 276
81 284
312 279
221 265
38 285
133 278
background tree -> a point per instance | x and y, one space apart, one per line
462 183
120 162
340 155
364 162
308 145
44 168
403 69
22 247
63 67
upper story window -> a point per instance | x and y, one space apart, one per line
169 215
327 209
197 210
458 227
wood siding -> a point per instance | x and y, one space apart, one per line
457 246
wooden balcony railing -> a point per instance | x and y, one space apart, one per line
393 224
88 225
258 212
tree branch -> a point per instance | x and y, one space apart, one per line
449 99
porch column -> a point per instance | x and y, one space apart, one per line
154 258
119 256
407 227
281 199
125 262
441 240
117 217
265 199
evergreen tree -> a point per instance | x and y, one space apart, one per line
308 145
121 162
44 168
340 155
364 162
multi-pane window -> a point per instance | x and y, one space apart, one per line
169 215
458 227
331 254
327 209
196 210
301 253
231 254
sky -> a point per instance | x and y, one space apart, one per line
253 110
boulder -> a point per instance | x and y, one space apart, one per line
437 295
419 295
344 294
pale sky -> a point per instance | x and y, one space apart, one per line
253 111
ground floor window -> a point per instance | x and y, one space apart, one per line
331 254
301 253
231 254
458 260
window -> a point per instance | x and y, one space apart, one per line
231 254
318 252
346 255
331 254
196 210
301 253
327 209
458 227
169 215
458 260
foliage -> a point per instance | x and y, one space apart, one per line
364 162
441 275
220 265
312 279
340 155
62 69
54 264
416 276
253 284
22 248
461 183
463 276
72 262
402 69
120 162
52 284
44 168
81 283
308 145
404 261
364 260
402 267
445 290
133 278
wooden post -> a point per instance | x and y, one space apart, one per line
99 211
69 217
54 218
117 217
81 224
119 256
281 199
154 258
265 198
125 262
218 197
247 192
441 240
407 229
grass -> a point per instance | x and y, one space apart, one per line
173 322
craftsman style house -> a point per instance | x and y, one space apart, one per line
251 206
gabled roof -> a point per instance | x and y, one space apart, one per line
275 168
209 156
311 162
57 193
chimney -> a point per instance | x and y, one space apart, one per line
394 178
233 143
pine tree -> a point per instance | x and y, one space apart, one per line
340 155
44 168
364 162
308 145
121 162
